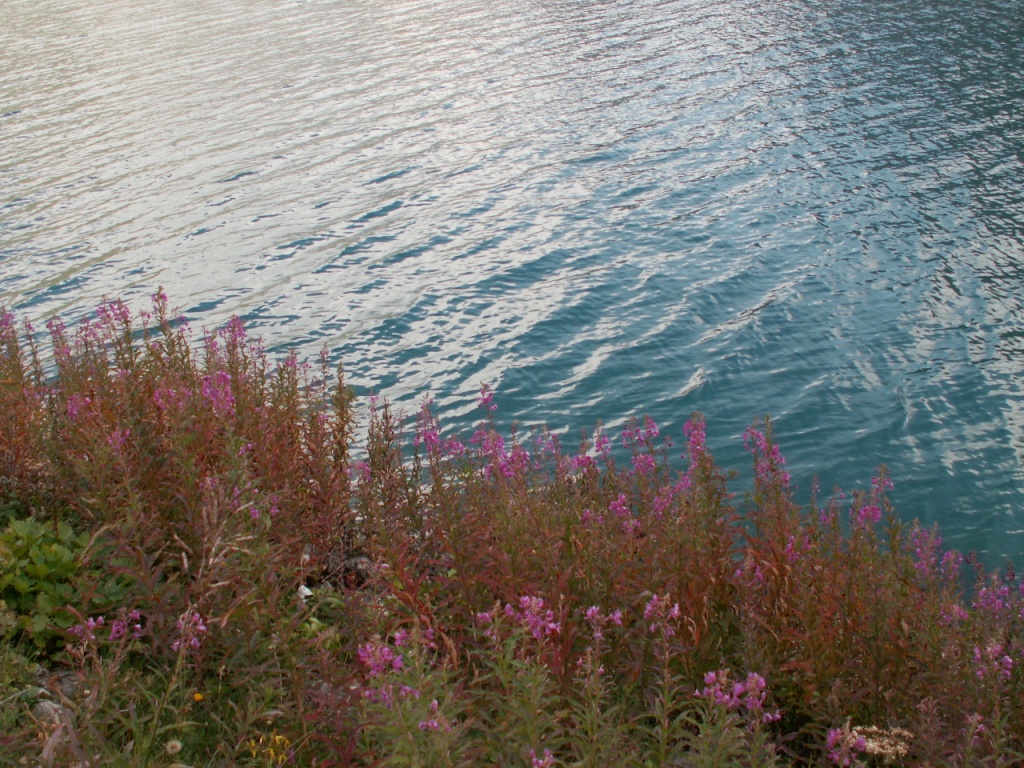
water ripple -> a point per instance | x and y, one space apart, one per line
813 210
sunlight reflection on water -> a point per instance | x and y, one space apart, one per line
600 208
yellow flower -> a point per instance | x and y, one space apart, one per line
275 749
197 696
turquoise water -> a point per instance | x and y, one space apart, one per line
807 209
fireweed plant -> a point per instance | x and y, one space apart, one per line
198 568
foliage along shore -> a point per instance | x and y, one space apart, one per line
197 570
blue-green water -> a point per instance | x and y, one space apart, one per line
807 209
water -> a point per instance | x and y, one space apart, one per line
807 209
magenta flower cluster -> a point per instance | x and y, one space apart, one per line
747 695
995 601
662 616
599 621
191 628
217 389
644 464
381 661
620 507
118 440
77 404
379 658
867 516
844 746
881 483
486 400
131 621
635 436
428 434
114 312
508 464
583 463
532 614
546 761
170 399
992 661
768 459
117 628
699 455
668 494
927 545
433 724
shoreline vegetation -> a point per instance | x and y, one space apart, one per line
198 569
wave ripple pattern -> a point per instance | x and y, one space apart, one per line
807 209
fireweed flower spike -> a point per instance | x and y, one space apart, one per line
546 762
190 628
532 615
486 400
867 516
747 695
378 658
129 426
598 621
843 746
644 464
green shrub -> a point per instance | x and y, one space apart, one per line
39 564
248 589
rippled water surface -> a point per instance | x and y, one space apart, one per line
807 209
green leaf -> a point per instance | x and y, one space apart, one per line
37 570
39 623
22 584
44 604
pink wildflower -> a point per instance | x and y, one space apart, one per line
486 400
379 658
76 404
190 628
621 506
644 464
217 389
546 762
868 516
582 463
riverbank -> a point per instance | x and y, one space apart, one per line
199 569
